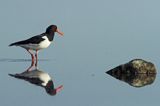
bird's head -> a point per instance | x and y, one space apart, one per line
52 29
51 90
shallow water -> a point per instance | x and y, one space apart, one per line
80 87
98 36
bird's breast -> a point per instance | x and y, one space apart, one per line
44 44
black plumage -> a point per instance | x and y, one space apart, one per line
33 80
33 40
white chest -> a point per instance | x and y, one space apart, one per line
45 78
44 44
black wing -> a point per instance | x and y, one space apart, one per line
32 80
33 40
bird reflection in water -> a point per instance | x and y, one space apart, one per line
39 78
136 75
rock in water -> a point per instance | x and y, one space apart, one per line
142 66
136 66
137 72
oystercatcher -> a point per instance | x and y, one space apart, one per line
38 42
39 78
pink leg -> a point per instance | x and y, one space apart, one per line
31 56
36 55
32 65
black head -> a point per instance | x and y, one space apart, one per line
50 88
51 29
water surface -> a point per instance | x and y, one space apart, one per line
98 36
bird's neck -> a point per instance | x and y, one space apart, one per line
50 84
50 36
50 88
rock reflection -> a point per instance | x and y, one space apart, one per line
38 77
137 73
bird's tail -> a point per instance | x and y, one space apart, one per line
12 75
19 43
16 76
13 44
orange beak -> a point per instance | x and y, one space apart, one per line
59 32
58 89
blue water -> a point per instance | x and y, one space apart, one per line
98 36
82 86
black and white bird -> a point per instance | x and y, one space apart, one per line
39 78
38 42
